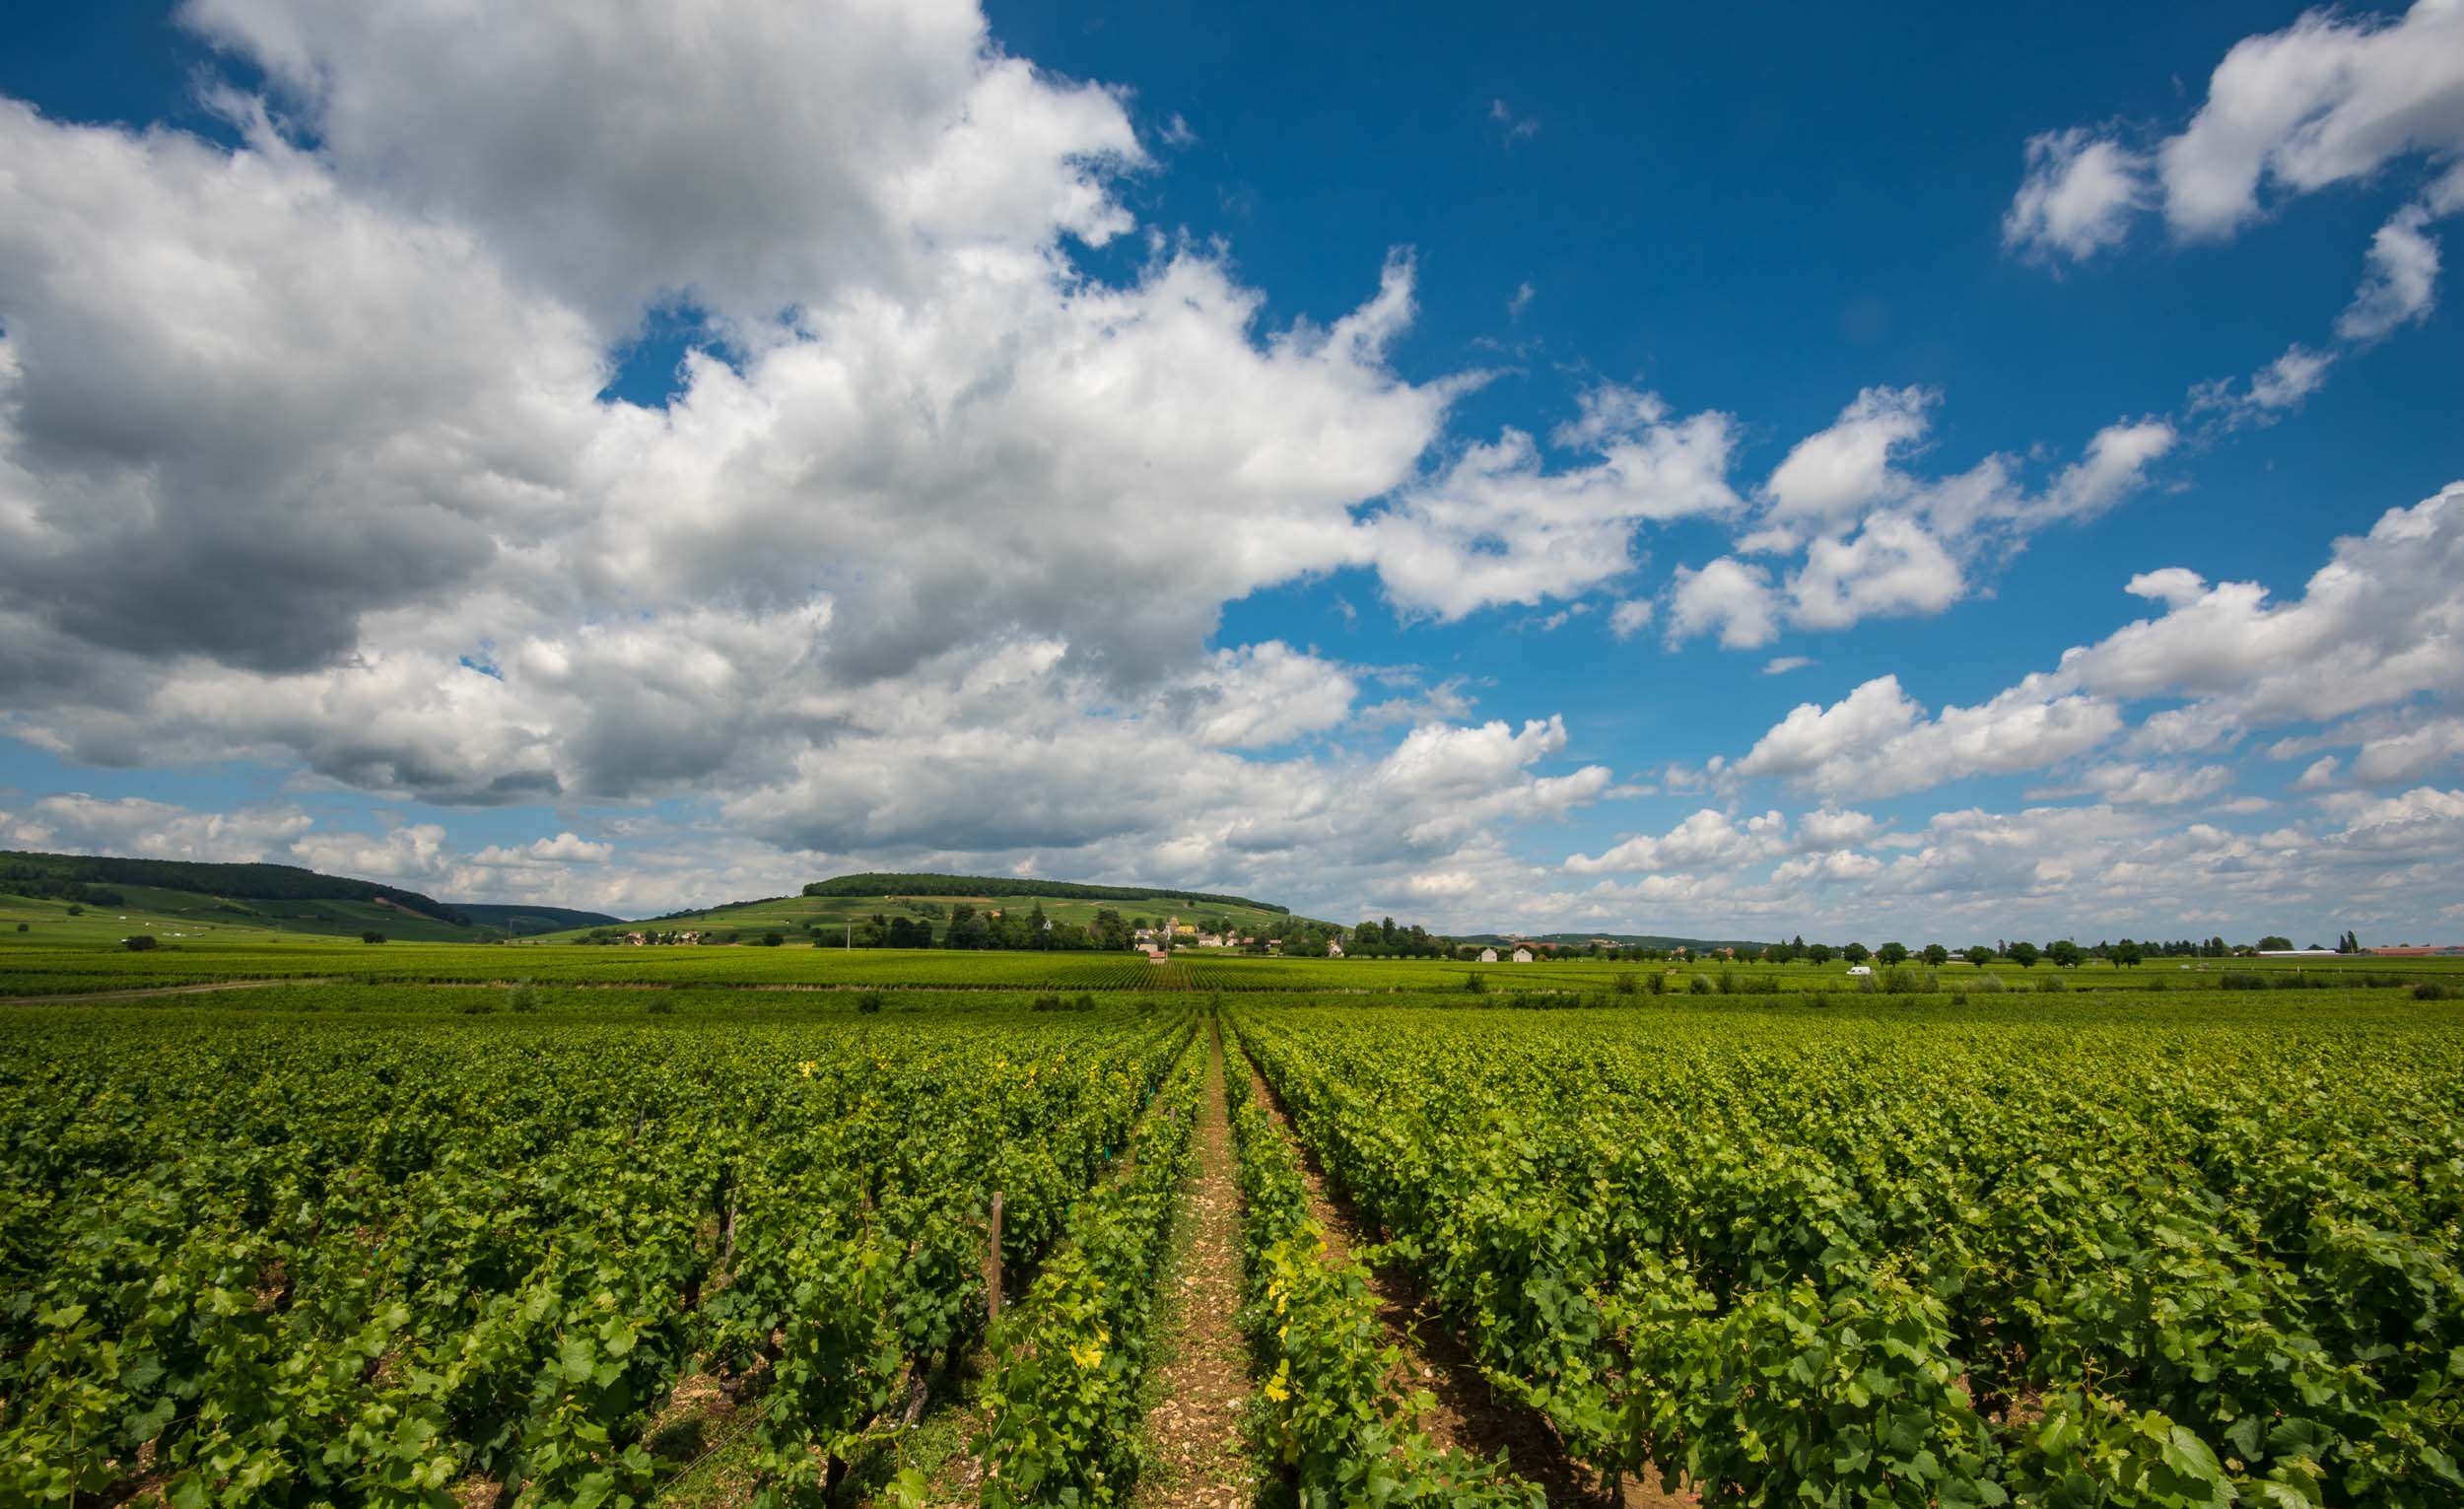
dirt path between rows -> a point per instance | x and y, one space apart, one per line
1469 1413
1195 1424
162 990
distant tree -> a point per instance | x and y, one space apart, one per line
772 939
2065 953
1936 955
2273 941
2022 953
1893 953
1819 953
143 943
75 911
1856 953
372 937
1977 954
2127 953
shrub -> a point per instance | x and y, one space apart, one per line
1043 1003
21 927
1658 982
1700 985
481 1007
2430 990
1959 998
522 995
2046 983
372 937
869 1002
1474 982
76 910
1084 1003
1728 982
772 939
1990 984
1898 982
661 1006
143 943
1867 985
1626 983
2241 980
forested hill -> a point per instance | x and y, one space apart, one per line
882 884
521 920
26 873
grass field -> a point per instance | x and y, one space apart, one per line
552 1223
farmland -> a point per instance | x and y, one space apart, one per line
437 1223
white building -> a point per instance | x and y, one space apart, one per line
1333 948
1489 956
1522 954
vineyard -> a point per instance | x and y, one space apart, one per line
705 1227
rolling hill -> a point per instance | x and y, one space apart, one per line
847 899
521 920
186 897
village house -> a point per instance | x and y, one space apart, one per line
1523 953
1489 956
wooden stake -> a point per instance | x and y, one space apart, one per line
992 1265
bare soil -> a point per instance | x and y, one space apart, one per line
1194 1429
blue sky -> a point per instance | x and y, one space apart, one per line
1547 468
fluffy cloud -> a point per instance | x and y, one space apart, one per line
1878 741
2379 626
1708 839
1889 567
2382 622
1729 595
605 150
1835 473
76 821
1880 541
1499 527
2274 389
2128 785
2079 194
2399 281
2330 99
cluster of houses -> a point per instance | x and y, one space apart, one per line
1175 933
643 939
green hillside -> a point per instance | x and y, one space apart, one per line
523 921
931 899
185 918
100 898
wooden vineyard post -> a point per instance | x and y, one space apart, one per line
992 1265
